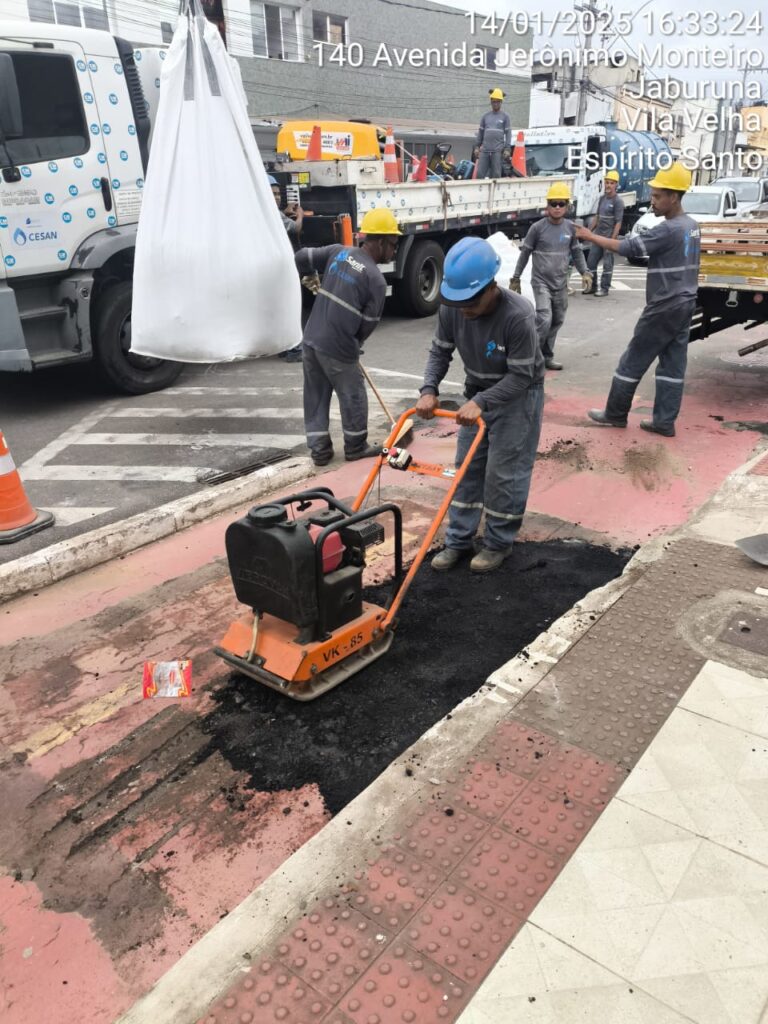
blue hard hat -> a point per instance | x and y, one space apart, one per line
470 266
271 180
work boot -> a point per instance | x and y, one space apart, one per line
486 560
552 365
370 452
598 416
322 459
657 428
602 293
448 558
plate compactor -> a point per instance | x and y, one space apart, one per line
309 628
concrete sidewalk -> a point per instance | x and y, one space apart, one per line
599 895
465 852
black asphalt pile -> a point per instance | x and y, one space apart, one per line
455 629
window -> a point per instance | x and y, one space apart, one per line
78 13
53 126
275 31
329 28
490 57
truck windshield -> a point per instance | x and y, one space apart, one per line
551 158
702 202
746 191
51 108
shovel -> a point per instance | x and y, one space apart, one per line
755 547
407 427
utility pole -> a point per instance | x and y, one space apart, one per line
589 7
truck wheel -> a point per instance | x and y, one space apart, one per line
419 289
117 365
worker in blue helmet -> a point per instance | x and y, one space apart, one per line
494 332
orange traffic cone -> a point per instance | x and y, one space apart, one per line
421 173
391 173
347 237
315 147
518 156
17 517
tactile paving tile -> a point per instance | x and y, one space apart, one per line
514 747
404 986
508 871
583 778
269 995
331 946
612 692
462 931
392 887
550 821
437 835
482 788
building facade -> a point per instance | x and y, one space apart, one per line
373 59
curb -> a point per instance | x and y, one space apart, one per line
54 563
225 953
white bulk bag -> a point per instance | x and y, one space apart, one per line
214 276
510 252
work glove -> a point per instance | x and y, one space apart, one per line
586 282
514 285
312 282
506 154
475 152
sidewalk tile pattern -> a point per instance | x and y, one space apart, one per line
464 864
760 468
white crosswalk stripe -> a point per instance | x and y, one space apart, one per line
125 442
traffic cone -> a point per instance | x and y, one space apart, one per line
518 155
315 147
391 173
17 517
347 237
421 172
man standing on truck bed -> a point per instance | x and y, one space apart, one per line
494 138
347 308
607 224
494 332
552 242
672 249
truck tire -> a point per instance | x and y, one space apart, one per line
116 364
419 290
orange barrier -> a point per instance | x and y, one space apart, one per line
17 516
391 171
518 155
315 147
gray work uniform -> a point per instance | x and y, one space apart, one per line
662 331
552 247
610 212
504 375
346 310
493 137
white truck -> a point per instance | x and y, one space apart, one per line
76 111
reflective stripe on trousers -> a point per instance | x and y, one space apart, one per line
323 376
499 477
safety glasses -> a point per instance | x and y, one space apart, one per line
559 204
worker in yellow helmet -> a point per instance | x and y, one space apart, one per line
607 224
494 138
347 308
552 243
661 333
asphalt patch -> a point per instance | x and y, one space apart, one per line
455 629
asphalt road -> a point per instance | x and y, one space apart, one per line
95 458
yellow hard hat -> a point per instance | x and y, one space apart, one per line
559 191
676 178
379 222
611 175
496 94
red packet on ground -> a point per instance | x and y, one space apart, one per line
167 678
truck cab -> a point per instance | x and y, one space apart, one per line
74 141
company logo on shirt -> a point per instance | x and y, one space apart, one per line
491 348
